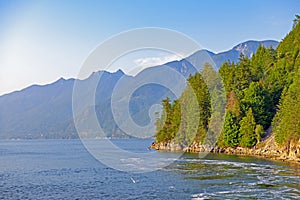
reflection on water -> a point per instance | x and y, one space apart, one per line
63 169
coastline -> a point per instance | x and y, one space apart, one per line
267 149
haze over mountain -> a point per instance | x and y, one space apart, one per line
247 48
46 111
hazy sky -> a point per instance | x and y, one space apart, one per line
41 41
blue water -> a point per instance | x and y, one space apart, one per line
63 169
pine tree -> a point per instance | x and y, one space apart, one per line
255 89
242 76
280 77
247 130
296 21
203 102
227 74
230 133
287 120
261 62
186 120
258 98
233 104
163 125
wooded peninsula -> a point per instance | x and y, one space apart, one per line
248 107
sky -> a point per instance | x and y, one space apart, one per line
41 41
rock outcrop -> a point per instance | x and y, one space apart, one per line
266 149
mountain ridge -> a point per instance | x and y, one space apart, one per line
45 111
247 48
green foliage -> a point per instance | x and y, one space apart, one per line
284 81
261 62
259 132
186 120
288 61
242 76
227 73
163 124
230 133
247 130
296 21
259 84
218 103
236 77
255 90
287 120
258 98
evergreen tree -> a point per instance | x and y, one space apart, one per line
227 74
258 98
261 62
175 118
287 120
233 104
242 76
230 133
186 120
247 130
296 21
163 125
288 61
218 103
255 89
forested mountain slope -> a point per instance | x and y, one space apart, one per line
261 92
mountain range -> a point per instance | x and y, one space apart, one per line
45 111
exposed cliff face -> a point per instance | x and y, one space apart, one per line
267 149
166 146
293 151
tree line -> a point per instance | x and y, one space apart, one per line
257 93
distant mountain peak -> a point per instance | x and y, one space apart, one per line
46 111
61 79
243 47
119 71
249 47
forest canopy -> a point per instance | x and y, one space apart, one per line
259 93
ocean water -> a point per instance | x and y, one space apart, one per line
63 169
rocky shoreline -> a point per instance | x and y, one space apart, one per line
266 149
